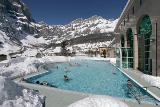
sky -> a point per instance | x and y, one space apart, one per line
64 11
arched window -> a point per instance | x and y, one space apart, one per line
145 31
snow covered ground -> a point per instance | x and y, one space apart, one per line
99 101
13 95
154 81
6 46
30 40
25 65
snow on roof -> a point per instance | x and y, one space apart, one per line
99 101
87 46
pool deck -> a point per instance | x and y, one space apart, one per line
136 75
63 98
55 97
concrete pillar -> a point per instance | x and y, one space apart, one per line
135 48
125 38
158 47
155 31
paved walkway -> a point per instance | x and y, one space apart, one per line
55 97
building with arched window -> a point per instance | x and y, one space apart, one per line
138 33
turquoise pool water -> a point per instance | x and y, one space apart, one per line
94 77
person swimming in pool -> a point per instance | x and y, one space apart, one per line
66 78
129 87
129 84
37 82
114 72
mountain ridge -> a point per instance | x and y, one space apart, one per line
19 29
79 27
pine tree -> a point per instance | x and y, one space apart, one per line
64 51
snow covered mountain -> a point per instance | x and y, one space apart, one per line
19 31
15 19
16 23
77 28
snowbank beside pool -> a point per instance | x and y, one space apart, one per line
99 101
22 66
154 81
19 68
13 95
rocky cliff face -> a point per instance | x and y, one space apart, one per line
17 22
16 9
15 19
